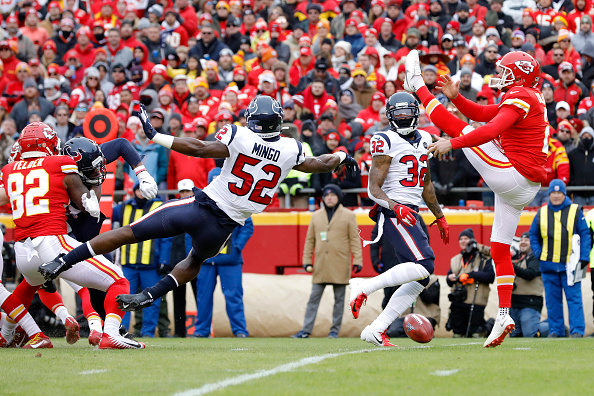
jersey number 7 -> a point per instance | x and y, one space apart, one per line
248 180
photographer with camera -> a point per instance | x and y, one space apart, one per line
469 276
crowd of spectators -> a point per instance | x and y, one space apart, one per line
331 64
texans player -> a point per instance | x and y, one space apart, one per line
39 188
257 160
398 179
509 152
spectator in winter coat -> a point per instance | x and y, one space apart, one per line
65 39
27 49
117 52
363 91
353 36
208 44
584 34
581 161
569 89
31 101
370 115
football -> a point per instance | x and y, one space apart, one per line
418 328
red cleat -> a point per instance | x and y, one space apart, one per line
20 338
119 342
95 337
358 298
376 337
38 341
72 328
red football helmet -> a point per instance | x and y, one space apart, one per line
15 153
38 140
516 69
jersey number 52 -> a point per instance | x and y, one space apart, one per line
248 180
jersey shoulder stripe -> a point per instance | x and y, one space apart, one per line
386 138
69 169
233 132
300 147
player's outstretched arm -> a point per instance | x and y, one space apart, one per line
327 162
430 200
470 109
380 165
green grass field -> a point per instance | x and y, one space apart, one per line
266 366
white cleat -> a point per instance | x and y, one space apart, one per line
413 74
358 298
119 342
501 328
376 337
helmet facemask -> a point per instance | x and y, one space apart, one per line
403 120
95 175
507 78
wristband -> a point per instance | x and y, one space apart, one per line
163 140
139 168
341 154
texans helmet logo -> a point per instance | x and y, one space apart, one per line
76 156
525 66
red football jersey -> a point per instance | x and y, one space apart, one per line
37 195
526 142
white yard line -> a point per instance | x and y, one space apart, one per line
93 372
266 373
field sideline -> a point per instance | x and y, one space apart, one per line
281 366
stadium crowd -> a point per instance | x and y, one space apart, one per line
331 64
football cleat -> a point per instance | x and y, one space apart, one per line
72 329
358 298
20 338
501 328
376 337
95 337
52 269
119 342
412 67
38 341
134 302
3 342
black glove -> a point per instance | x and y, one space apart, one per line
308 267
164 269
350 166
140 112
378 267
357 268
584 263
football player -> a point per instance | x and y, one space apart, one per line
39 188
509 152
257 159
399 179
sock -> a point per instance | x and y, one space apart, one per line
503 312
93 318
78 254
24 292
163 287
113 314
397 275
439 115
17 313
505 272
55 303
400 301
417 82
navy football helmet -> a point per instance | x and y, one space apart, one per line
402 111
264 116
89 158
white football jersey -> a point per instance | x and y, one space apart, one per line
253 171
404 183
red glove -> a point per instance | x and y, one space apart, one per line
444 229
405 215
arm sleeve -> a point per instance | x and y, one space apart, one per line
506 117
535 237
475 111
448 281
585 241
120 147
531 271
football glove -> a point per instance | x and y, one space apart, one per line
444 229
357 268
91 204
405 215
140 112
348 164
147 185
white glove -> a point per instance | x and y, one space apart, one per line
148 187
91 204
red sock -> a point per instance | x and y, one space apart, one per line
121 286
14 308
51 300
25 292
87 307
439 115
505 272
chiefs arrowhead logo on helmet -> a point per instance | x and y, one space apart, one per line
525 66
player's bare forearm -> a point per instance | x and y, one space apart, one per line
429 196
321 164
76 189
200 148
380 165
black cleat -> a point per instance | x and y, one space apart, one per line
54 268
134 302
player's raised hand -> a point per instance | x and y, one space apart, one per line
405 215
448 87
140 111
146 184
442 146
444 229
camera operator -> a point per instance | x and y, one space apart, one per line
469 276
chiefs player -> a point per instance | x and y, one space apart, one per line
39 188
509 152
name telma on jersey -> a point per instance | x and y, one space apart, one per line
266 152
